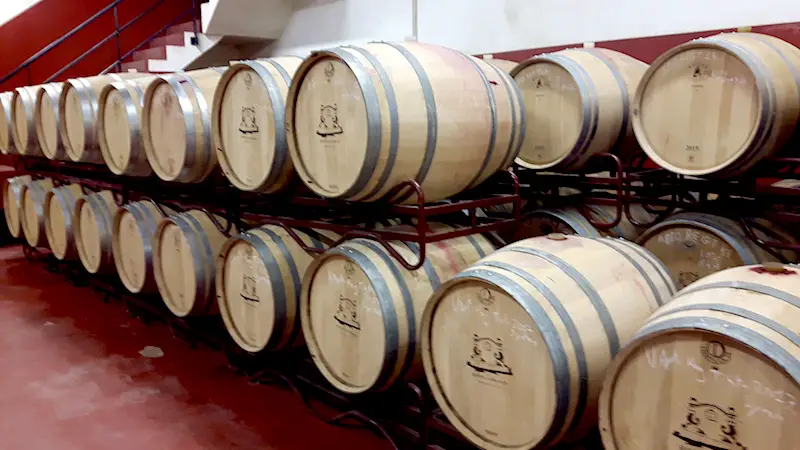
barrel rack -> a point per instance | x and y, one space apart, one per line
414 421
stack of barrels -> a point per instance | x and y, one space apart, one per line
521 344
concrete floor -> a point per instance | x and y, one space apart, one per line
72 378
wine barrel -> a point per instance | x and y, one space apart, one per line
119 115
570 220
362 120
176 125
94 218
737 96
259 275
132 242
247 122
77 108
59 223
360 309
33 212
46 118
6 121
12 203
23 127
503 64
515 346
717 368
184 261
694 245
577 103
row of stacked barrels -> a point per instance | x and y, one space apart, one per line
355 122
523 346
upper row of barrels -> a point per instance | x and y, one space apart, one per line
355 122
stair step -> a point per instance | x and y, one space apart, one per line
140 66
183 27
170 39
150 53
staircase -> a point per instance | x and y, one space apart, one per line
171 52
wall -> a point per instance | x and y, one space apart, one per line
48 20
486 26
11 8
494 26
322 24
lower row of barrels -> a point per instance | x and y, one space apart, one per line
523 346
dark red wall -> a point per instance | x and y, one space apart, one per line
647 49
48 20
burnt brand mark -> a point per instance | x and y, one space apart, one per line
487 356
715 353
709 426
329 121
248 124
347 313
248 292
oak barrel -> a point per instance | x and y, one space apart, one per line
503 64
46 118
362 120
6 123
33 212
119 118
12 203
23 127
515 347
717 105
59 223
577 104
247 121
176 125
134 228
184 261
717 368
77 107
693 245
570 220
259 275
360 309
94 218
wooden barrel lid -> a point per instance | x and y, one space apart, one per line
12 202
245 280
351 345
47 120
691 251
176 269
6 142
698 108
89 245
245 127
330 120
76 118
166 125
22 115
129 247
549 92
59 207
33 212
115 116
495 358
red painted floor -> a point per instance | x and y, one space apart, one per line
72 378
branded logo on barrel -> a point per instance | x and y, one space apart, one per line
329 121
708 426
715 352
248 292
487 361
248 124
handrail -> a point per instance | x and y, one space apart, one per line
147 40
117 30
60 40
